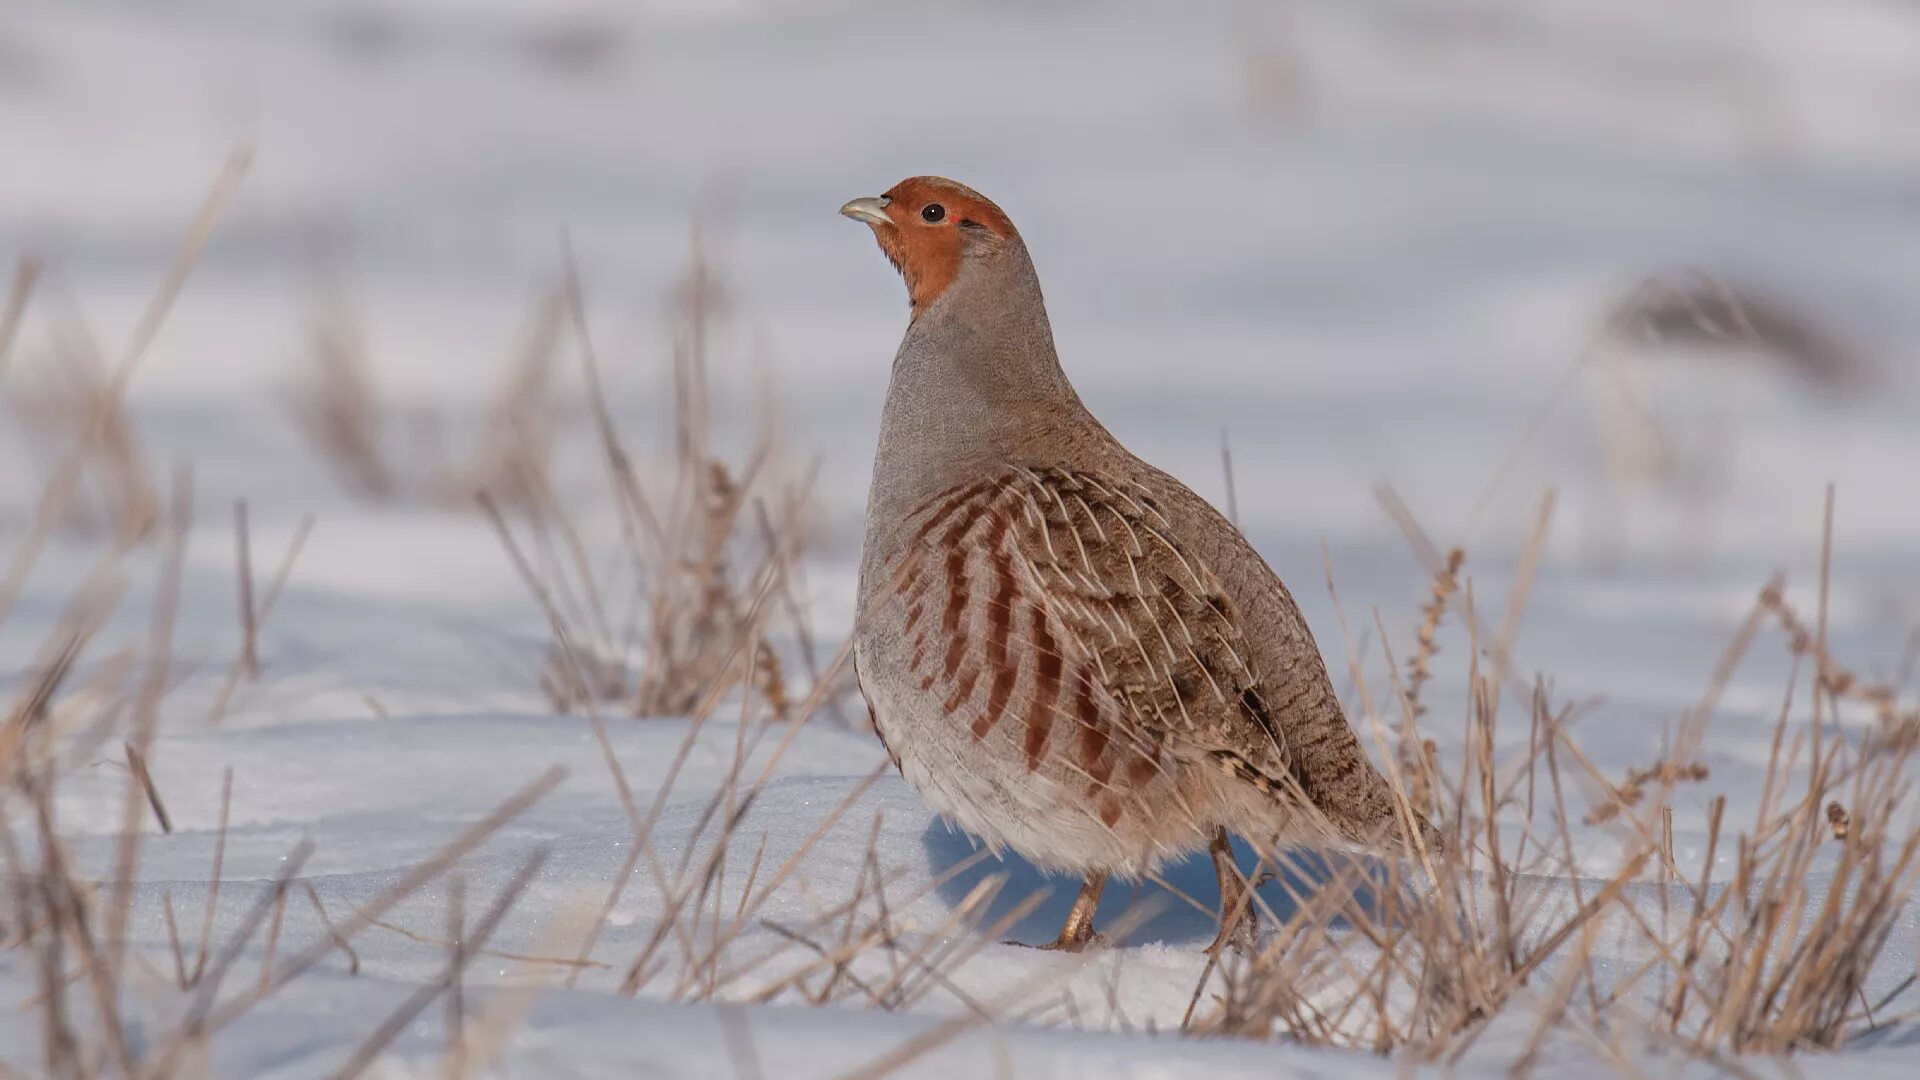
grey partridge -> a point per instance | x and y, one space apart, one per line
1065 650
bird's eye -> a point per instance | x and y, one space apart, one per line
933 212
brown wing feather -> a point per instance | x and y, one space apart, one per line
1153 624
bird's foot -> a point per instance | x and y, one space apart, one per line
1242 935
1074 943
1243 932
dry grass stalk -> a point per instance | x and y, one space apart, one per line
254 620
1693 307
1446 582
56 399
249 615
137 762
213 888
320 912
338 405
457 941
1226 470
340 410
1630 791
1418 755
512 458
452 939
145 718
25 276
1837 680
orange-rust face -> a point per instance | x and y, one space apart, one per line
926 226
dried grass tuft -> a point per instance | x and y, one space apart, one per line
102 1005
1766 947
65 397
340 411
1697 308
709 567
382 454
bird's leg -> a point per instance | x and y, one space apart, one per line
1078 933
1239 922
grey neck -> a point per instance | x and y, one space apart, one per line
975 378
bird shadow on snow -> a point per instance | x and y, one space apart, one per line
1175 920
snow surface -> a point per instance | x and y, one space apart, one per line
1367 241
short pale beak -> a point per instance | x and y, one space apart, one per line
871 211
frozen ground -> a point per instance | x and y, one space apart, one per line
1368 241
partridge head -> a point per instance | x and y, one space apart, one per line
929 227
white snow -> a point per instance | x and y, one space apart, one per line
1367 241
